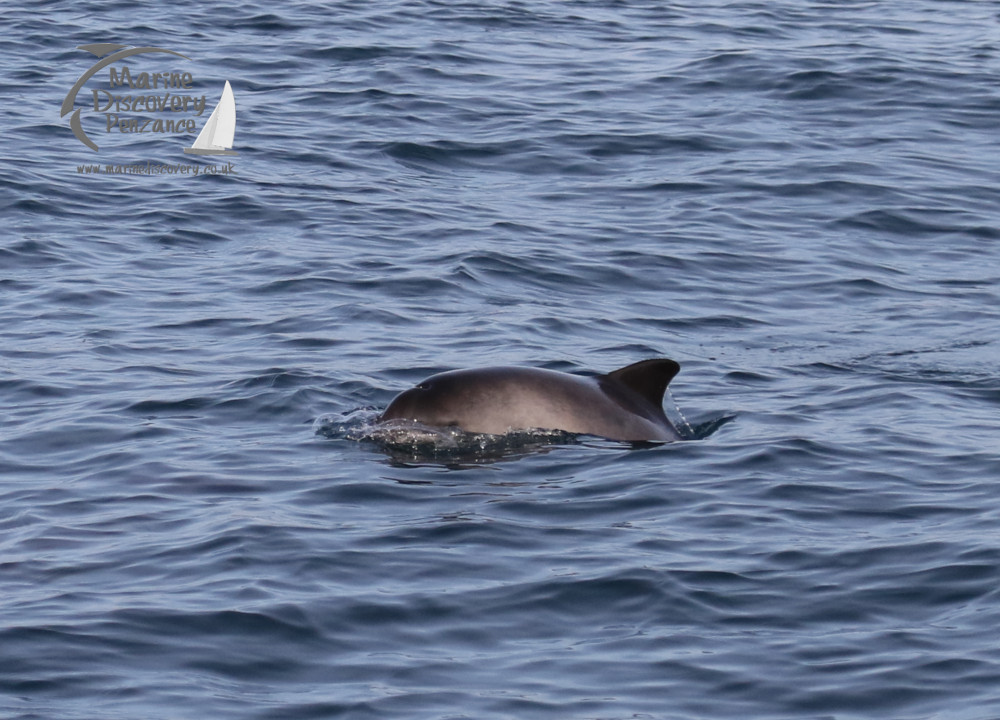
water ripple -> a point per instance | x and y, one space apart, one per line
797 202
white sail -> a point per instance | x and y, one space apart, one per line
217 136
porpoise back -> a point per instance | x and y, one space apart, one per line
626 404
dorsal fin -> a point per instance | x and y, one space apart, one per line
649 378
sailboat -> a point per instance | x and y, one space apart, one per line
217 136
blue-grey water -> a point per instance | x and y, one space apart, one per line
798 201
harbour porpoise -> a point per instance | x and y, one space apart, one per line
625 404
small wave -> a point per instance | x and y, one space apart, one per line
347 54
409 442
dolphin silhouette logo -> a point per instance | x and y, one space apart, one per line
119 52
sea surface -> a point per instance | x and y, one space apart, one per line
799 201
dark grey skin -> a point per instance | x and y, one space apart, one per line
626 404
